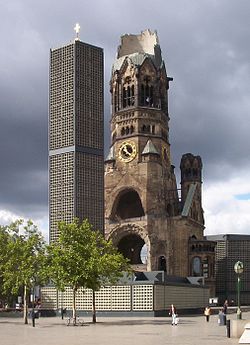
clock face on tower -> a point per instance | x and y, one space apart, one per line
127 151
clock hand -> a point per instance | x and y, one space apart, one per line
125 150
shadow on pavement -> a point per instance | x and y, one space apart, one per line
140 322
105 323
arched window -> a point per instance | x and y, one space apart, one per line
147 96
146 128
162 265
128 98
116 98
124 98
132 95
196 266
147 93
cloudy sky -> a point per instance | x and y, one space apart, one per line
205 45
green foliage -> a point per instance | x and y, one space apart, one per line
22 256
82 258
22 259
4 238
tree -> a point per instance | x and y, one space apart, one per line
4 238
106 266
24 266
81 258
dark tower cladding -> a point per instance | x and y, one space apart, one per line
76 135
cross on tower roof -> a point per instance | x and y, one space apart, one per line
77 30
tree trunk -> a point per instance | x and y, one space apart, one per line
74 306
94 310
25 306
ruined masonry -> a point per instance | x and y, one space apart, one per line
152 222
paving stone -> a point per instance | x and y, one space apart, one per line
191 330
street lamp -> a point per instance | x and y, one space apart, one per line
32 281
238 268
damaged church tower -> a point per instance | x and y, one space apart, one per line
148 219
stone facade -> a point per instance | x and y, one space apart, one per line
144 210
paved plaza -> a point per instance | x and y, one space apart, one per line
192 330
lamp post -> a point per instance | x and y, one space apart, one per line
32 281
238 268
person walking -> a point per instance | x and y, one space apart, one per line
224 312
173 313
207 313
224 308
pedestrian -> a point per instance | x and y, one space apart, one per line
224 308
224 312
207 313
221 318
173 313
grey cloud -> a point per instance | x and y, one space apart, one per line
205 47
